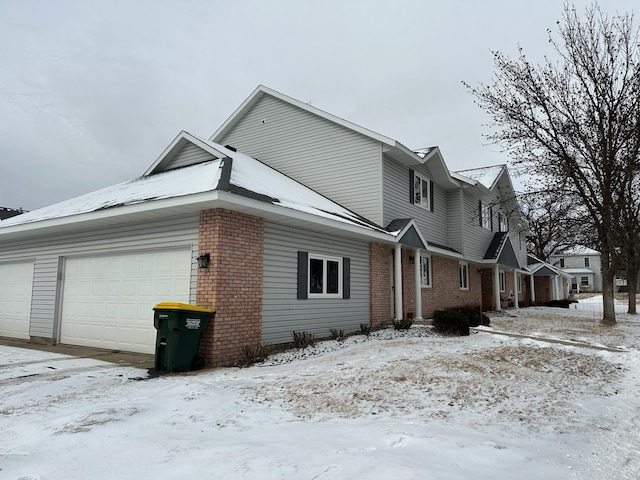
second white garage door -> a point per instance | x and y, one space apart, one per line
107 300
16 281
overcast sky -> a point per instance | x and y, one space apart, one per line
91 92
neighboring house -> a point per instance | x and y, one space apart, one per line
549 282
332 226
584 266
9 212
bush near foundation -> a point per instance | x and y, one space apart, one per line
450 322
473 314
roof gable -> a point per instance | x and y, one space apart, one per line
390 147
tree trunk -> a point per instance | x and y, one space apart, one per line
610 263
632 282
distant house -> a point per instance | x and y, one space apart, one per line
584 266
9 212
310 223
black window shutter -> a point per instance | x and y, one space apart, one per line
491 218
431 195
303 275
346 278
411 185
480 212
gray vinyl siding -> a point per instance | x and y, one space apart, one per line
48 250
477 238
456 224
396 202
334 161
189 155
282 312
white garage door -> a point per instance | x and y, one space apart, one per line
108 300
16 282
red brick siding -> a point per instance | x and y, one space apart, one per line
445 291
380 283
232 285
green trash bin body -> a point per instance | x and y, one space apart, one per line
179 328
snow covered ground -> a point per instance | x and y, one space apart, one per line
409 405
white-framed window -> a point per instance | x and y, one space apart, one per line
485 215
425 271
503 281
503 223
464 276
584 281
586 262
422 191
519 283
562 263
325 276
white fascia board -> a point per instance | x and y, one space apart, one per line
444 253
165 153
262 90
183 135
463 179
203 200
115 212
258 207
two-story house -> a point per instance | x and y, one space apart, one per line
584 266
302 221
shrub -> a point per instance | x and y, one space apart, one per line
337 334
473 314
450 322
255 353
303 339
403 324
365 329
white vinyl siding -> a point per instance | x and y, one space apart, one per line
333 160
283 312
48 249
16 281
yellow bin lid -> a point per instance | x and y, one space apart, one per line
181 306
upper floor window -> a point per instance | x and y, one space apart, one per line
561 262
485 213
425 271
586 261
503 222
421 191
464 276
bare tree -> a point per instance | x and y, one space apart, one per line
555 222
576 122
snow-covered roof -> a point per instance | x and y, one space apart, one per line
423 152
578 250
486 176
245 176
185 181
578 271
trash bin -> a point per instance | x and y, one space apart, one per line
179 327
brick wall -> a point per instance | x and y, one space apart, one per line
232 285
445 291
380 283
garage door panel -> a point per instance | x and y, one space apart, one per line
16 286
107 301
